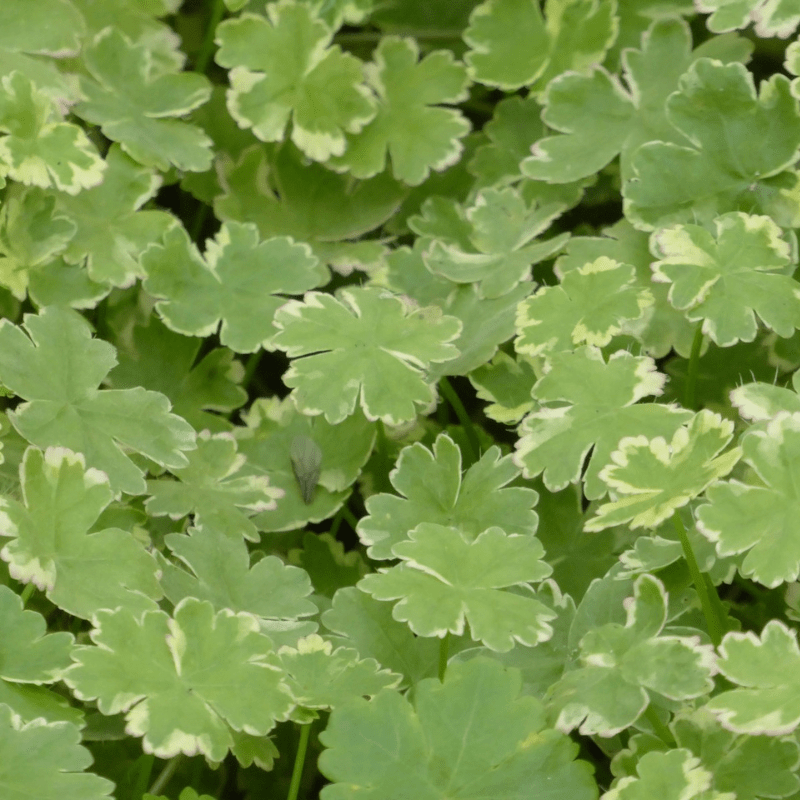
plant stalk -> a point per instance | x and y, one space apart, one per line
165 775
473 445
690 390
698 579
299 761
444 648
660 728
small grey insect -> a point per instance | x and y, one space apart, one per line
306 461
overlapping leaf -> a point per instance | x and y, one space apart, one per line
32 233
46 760
662 328
433 490
360 621
266 441
219 571
284 196
284 68
36 147
52 546
57 370
211 488
365 346
587 404
725 166
471 736
138 109
514 45
772 18
501 227
320 677
619 666
112 228
674 775
156 358
238 282
185 681
485 322
650 478
410 126
589 306
750 766
767 669
760 519
726 278
445 580
598 118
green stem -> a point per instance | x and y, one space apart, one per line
700 584
144 768
349 517
165 775
690 391
199 220
299 761
26 593
660 728
473 444
251 366
207 48
444 647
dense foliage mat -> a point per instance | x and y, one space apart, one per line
399 399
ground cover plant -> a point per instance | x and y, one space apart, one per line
400 399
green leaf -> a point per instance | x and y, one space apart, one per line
266 442
368 347
156 358
112 228
138 109
587 404
502 227
28 654
284 196
32 233
445 580
767 668
410 126
211 488
219 571
239 281
433 491
471 736
320 677
649 478
284 69
20 30
36 147
513 46
717 109
778 18
65 407
358 620
760 519
726 279
675 775
599 118
46 760
53 548
620 668
589 306
662 328
182 681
